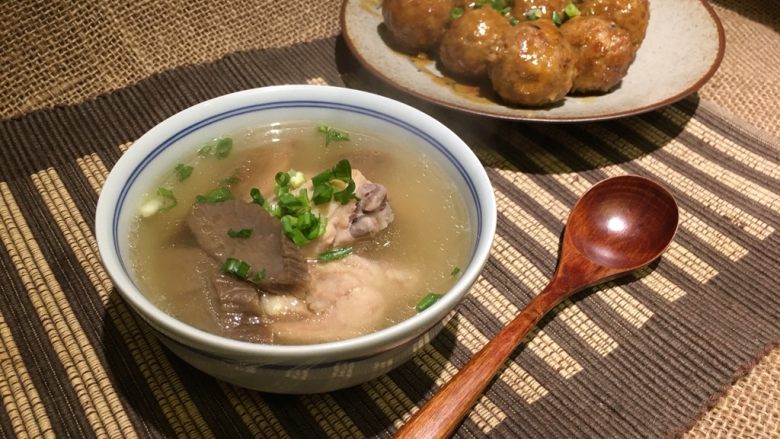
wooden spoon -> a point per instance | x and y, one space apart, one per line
619 225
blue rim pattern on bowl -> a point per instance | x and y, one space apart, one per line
287 104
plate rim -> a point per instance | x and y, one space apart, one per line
566 119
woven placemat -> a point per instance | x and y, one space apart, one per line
633 359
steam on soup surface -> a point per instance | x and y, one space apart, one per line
296 234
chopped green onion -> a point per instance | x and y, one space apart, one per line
322 193
323 177
506 11
303 226
347 194
533 14
456 13
427 301
455 271
324 190
183 171
343 171
206 149
498 5
299 224
296 178
556 18
290 202
321 224
286 181
294 204
291 230
242 270
258 276
334 254
217 195
273 209
571 10
219 148
236 267
169 200
242 233
513 21
332 134
282 179
288 223
303 196
306 220
257 197
224 145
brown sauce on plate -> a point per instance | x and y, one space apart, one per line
468 91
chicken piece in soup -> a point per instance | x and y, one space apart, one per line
297 235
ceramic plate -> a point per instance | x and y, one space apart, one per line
683 48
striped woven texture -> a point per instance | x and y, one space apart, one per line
639 357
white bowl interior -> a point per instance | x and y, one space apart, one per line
165 145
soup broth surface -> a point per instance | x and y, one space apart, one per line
422 250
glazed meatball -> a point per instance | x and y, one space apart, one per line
536 66
631 15
416 25
472 42
603 52
545 7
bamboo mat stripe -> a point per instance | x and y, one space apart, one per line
688 199
88 259
634 358
746 164
26 407
760 143
686 221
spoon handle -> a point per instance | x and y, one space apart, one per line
444 411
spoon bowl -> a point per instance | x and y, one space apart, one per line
623 222
619 225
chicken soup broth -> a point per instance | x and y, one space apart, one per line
299 233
